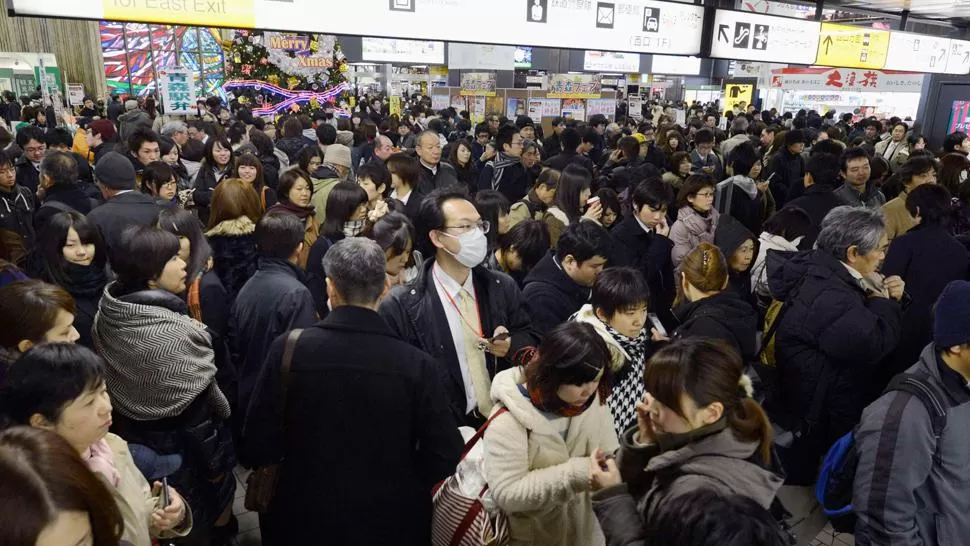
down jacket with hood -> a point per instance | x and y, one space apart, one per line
831 323
131 121
723 316
690 230
715 459
539 479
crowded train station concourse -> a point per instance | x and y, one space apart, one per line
484 273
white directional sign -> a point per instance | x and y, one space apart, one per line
917 53
958 61
636 26
611 61
754 37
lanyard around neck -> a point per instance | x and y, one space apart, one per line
477 332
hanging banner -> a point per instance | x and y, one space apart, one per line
478 84
604 107
574 86
476 109
574 109
177 90
395 106
540 108
845 79
959 117
75 94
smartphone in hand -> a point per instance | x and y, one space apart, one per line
655 321
165 501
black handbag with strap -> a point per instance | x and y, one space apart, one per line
262 482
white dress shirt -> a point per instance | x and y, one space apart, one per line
401 199
444 284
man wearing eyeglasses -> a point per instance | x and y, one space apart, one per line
434 173
17 205
472 320
505 173
32 140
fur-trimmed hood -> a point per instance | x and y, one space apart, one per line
230 228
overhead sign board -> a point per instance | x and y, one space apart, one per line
611 61
636 26
917 52
852 47
958 61
754 37
390 50
669 64
480 57
846 79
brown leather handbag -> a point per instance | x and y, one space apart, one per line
261 483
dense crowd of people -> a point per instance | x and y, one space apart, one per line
658 330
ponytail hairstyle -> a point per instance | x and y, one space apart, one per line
705 268
709 371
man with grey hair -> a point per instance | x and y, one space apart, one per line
434 174
364 416
739 134
189 149
839 320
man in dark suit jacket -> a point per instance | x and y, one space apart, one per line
362 419
432 312
60 189
125 207
572 143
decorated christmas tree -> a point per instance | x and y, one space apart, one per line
273 71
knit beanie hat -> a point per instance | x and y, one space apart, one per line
131 104
337 154
730 234
115 171
952 324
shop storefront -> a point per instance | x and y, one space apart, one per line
863 92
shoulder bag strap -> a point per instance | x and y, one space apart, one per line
288 349
931 397
481 432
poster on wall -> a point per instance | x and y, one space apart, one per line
478 84
605 107
440 102
574 86
574 109
177 90
75 94
514 107
737 95
476 107
636 107
959 117
540 108
459 103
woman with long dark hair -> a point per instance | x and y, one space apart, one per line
570 202
266 152
204 293
697 428
249 169
73 256
216 166
461 159
295 190
346 217
172 156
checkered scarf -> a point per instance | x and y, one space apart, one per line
628 387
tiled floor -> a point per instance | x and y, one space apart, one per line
828 537
249 521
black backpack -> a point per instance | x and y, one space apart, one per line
837 475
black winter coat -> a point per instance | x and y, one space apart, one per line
626 174
73 196
817 201
316 279
927 258
415 313
291 147
648 253
444 177
787 176
205 184
551 296
27 175
233 255
516 181
564 158
274 301
122 212
723 316
349 373
831 323
17 223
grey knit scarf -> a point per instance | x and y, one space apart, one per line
158 361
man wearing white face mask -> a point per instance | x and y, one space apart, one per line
472 320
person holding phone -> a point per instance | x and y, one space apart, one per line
698 427
62 387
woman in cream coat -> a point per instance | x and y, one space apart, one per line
537 456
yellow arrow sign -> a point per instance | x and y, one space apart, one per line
853 47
